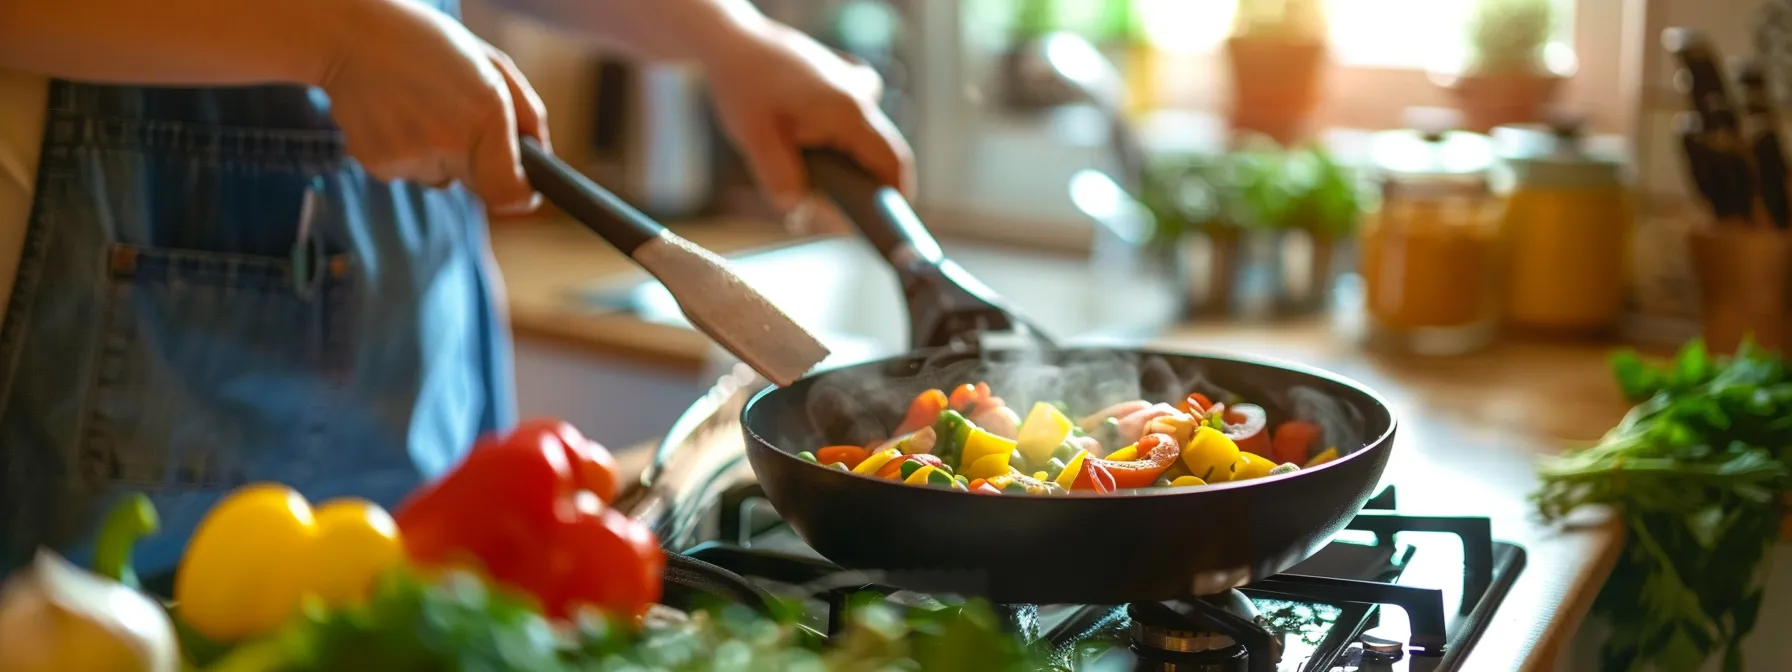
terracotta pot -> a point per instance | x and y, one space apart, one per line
1492 100
1276 85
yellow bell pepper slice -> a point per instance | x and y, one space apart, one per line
1323 457
1126 454
981 444
919 476
262 551
989 466
1042 431
876 461
1251 465
1209 455
1071 469
1186 481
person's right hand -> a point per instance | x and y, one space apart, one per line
420 98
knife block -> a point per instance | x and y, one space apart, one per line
1744 274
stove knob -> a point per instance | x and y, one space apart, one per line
1381 649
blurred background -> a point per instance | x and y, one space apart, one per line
1422 176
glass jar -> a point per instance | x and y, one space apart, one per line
1430 251
1567 225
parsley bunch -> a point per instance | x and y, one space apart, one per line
1696 470
457 623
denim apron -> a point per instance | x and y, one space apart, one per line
212 294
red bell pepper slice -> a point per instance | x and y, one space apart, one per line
966 399
530 509
892 468
1159 453
1094 476
850 456
1294 441
922 412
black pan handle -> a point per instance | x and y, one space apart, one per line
946 304
605 213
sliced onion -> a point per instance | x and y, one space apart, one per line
1119 410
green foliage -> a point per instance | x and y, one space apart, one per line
1695 470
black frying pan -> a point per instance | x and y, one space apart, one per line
1079 548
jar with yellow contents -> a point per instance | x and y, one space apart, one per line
1431 251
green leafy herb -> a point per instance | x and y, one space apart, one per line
459 624
1696 470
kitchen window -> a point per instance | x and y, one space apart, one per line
990 172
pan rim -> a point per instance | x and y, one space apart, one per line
1138 493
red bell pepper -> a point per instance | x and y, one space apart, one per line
922 412
1294 441
531 510
1159 453
1094 476
966 399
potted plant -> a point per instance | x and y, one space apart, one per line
1257 231
1505 78
1276 55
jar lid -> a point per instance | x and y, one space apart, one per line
1555 154
1448 160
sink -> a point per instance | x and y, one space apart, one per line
841 290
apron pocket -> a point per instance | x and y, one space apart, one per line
213 368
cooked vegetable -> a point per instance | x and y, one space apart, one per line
980 444
850 456
1112 413
1248 427
922 412
1042 431
1210 456
262 550
997 419
952 430
875 462
1294 440
56 617
1186 481
554 537
1161 451
1323 457
1251 465
1125 446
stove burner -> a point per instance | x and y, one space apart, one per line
1217 633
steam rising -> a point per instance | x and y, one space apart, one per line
863 404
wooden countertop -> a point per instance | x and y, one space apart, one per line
1470 425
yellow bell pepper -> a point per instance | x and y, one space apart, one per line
1042 431
1071 469
1251 465
919 476
262 551
989 466
1323 457
981 444
1126 454
1209 455
1186 481
876 461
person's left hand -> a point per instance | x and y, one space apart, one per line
779 92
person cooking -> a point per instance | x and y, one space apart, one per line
246 241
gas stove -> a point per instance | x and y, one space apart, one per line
1393 592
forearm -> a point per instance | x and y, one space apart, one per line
173 42
679 30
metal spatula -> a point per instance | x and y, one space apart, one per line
715 300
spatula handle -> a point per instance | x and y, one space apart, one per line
605 213
879 211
